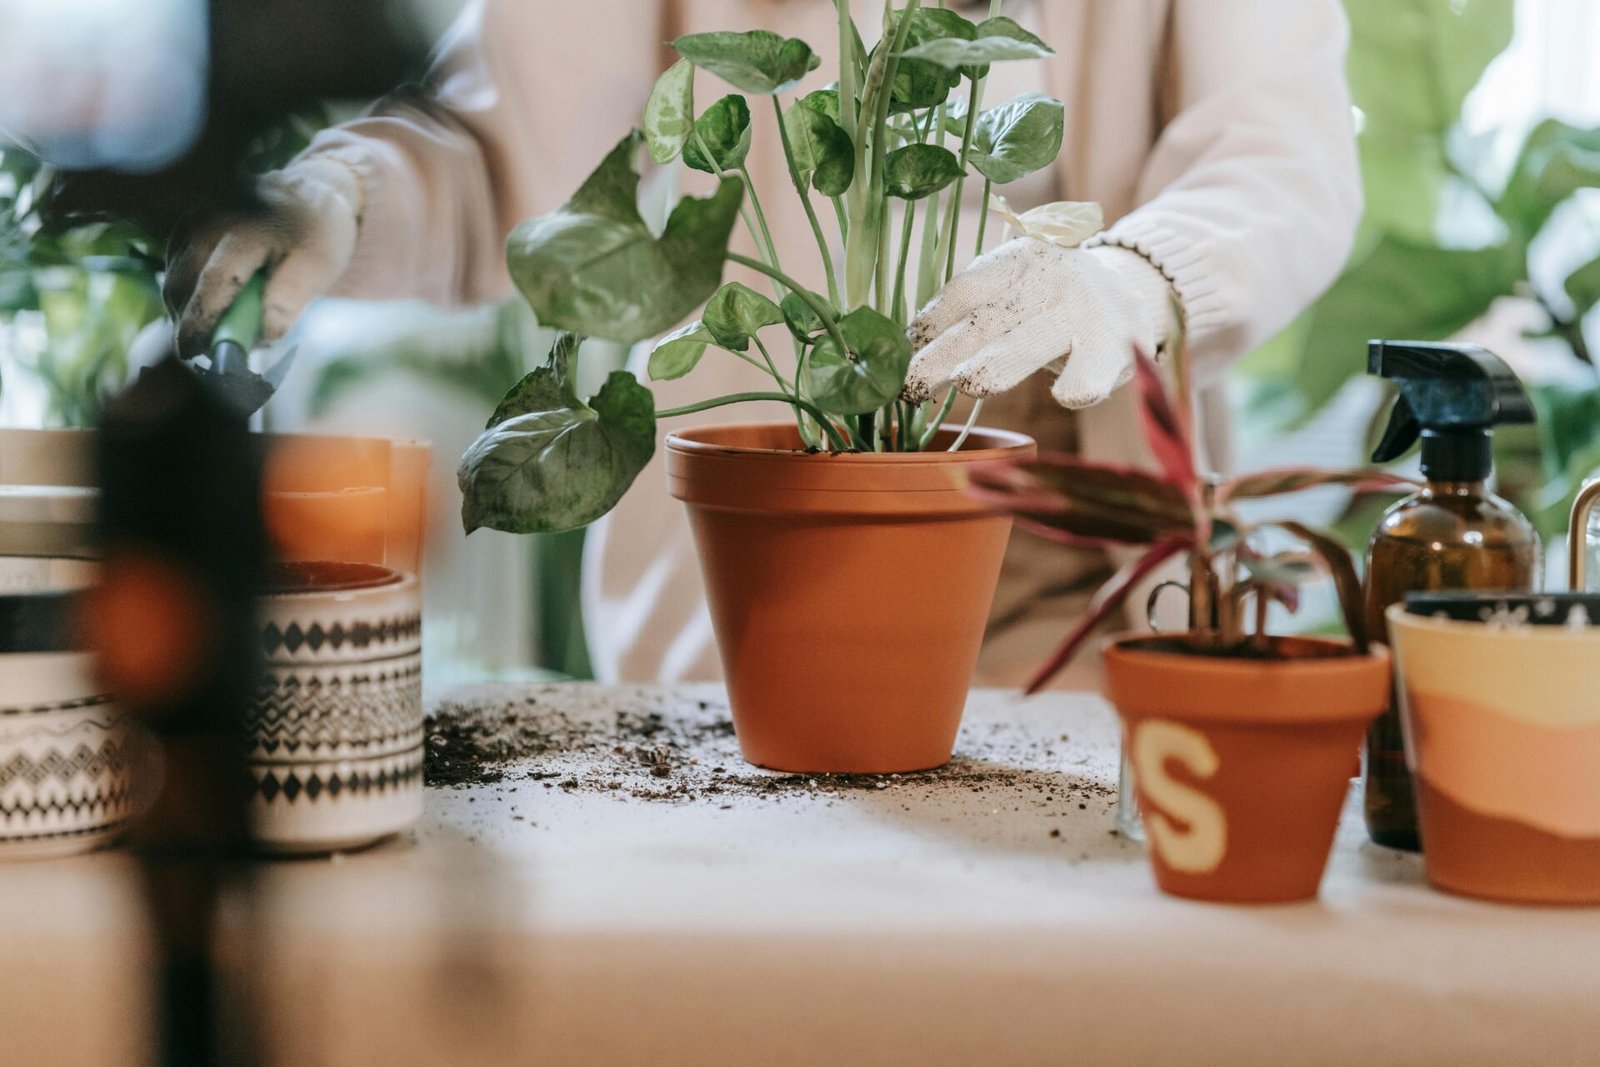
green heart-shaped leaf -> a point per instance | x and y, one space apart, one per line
868 376
757 61
725 130
803 322
677 353
561 467
824 155
669 112
917 83
919 170
735 313
1017 138
593 267
997 40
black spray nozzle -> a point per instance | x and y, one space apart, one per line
1451 397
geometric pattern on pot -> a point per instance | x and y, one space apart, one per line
312 784
1198 840
327 807
325 637
336 728
65 778
338 712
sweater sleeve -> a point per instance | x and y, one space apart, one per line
1249 200
500 136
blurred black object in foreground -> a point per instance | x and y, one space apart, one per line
267 60
173 624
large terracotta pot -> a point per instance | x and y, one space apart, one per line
1503 739
849 592
1242 765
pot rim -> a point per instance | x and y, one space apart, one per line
690 442
362 578
1397 615
1201 688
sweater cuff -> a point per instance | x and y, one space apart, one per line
1183 265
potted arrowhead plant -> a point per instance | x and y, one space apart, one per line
817 534
1240 742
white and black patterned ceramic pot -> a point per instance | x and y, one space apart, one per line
65 775
336 730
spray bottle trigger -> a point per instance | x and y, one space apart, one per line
1401 433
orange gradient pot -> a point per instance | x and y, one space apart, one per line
1242 765
849 592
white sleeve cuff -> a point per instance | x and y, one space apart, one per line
1179 261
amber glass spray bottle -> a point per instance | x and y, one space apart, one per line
1453 534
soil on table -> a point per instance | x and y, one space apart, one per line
649 746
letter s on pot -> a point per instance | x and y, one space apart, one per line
1200 848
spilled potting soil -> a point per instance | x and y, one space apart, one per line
652 746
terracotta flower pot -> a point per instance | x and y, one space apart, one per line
340 497
1503 738
849 592
1242 765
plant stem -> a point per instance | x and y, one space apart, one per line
809 408
972 419
1263 602
953 215
797 289
881 285
928 256
983 217
843 219
805 200
761 216
905 253
866 190
766 251
847 68
771 366
811 301
938 420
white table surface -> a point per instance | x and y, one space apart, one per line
986 916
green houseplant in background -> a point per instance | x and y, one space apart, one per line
1447 234
87 286
861 493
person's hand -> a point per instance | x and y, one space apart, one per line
1030 305
305 237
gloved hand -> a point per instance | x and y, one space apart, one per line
305 237
1030 305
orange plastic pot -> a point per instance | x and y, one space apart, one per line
848 592
1242 765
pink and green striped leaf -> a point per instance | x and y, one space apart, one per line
1109 599
1297 479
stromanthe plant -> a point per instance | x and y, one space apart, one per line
1174 511
899 131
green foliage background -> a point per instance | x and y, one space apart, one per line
1425 265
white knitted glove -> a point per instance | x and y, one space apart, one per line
305 237
1031 305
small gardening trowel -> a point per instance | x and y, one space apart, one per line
236 334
